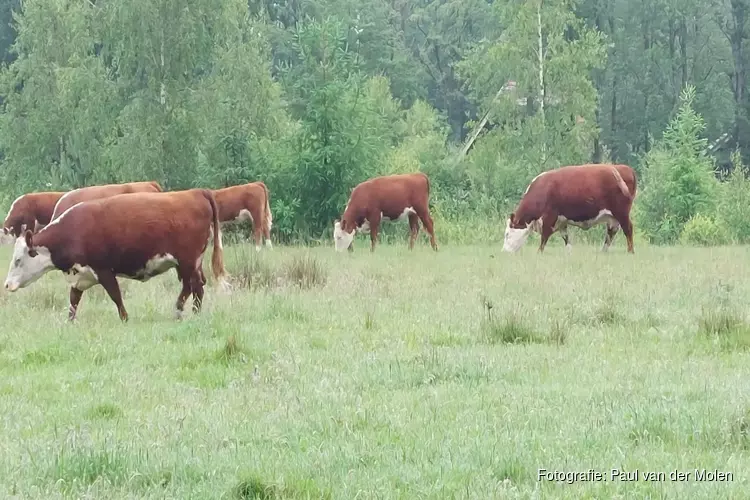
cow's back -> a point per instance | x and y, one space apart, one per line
401 188
91 193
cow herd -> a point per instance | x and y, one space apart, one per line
136 230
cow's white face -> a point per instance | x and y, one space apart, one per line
27 266
341 238
515 237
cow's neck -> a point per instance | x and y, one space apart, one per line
527 213
49 236
349 219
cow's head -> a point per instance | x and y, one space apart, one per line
28 263
14 228
343 236
516 233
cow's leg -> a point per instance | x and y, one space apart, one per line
424 216
351 246
627 228
75 299
257 223
196 286
186 275
563 230
374 219
108 280
266 232
612 229
413 229
548 228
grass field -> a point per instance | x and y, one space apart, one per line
389 375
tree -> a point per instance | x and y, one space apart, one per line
678 180
545 117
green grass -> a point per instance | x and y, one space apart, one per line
389 375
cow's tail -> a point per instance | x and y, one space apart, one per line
621 183
217 259
268 219
430 206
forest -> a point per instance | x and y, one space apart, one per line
315 96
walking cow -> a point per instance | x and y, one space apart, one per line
578 195
391 196
136 236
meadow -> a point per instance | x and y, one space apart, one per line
398 374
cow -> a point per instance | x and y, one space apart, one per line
136 236
390 196
576 195
103 191
247 202
30 211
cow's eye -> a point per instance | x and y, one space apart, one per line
18 262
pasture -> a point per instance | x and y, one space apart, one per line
398 374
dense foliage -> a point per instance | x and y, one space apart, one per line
315 96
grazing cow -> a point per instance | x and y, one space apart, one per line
578 195
247 202
391 196
104 191
30 211
136 236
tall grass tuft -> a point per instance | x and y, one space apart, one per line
305 271
725 326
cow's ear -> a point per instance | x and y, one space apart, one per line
29 243
5 230
512 215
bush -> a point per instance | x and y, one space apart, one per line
734 205
704 231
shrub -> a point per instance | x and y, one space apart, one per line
704 231
733 210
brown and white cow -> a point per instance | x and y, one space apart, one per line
103 191
136 236
577 195
390 196
247 202
30 211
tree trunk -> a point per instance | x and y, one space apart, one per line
646 48
683 52
541 80
736 39
613 104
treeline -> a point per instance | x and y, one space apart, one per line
314 96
